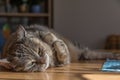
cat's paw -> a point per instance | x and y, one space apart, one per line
61 50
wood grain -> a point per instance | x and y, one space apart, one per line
24 15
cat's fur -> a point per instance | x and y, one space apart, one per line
35 48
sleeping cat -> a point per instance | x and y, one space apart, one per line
36 48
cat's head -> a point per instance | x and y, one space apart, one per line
25 53
25 38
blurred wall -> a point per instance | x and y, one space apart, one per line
87 21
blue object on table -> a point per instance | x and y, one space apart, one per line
111 66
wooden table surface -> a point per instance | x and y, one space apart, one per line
84 70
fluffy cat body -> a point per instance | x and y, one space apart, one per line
35 48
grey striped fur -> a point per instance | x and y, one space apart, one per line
28 49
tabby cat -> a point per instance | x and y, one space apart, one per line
36 48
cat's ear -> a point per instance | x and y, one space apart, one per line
21 32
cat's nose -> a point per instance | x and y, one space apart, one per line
41 60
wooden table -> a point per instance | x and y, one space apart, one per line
84 70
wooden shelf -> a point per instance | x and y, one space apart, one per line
43 18
24 14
